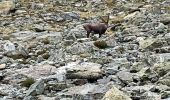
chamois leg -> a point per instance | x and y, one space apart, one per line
100 34
88 34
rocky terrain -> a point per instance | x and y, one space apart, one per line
45 54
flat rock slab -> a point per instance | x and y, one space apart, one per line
35 72
85 92
85 70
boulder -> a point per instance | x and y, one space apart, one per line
84 70
115 94
6 6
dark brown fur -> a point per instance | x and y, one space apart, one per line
99 28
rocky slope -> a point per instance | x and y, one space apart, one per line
45 55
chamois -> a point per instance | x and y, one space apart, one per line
97 28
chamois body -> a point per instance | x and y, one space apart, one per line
99 28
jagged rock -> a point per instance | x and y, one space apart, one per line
146 74
117 64
162 68
137 66
165 80
84 70
115 94
36 89
137 91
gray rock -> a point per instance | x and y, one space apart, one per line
165 80
9 46
78 48
43 97
37 6
82 92
165 19
137 66
74 15
36 89
111 42
75 33
137 90
161 68
125 77
151 43
57 55
159 58
10 91
165 49
55 86
150 96
84 70
30 98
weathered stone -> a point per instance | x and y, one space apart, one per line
115 94
35 72
6 6
36 89
137 90
162 68
150 43
9 90
84 70
165 80
159 58
82 92
75 33
125 77
137 66
43 97
78 48
165 19
9 46
151 96
55 86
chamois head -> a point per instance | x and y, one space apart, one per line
97 28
